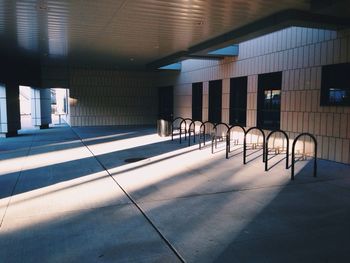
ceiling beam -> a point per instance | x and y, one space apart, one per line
255 29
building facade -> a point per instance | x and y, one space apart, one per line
299 56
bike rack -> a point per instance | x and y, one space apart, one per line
214 137
190 130
184 121
228 138
315 153
245 143
202 135
267 147
173 128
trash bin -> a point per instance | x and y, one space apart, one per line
163 128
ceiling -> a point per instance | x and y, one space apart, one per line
129 34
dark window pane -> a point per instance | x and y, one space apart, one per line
335 88
165 103
269 100
238 101
197 101
215 101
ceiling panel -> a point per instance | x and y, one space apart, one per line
124 33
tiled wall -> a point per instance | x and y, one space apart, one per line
106 97
299 53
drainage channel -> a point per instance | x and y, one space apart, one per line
172 248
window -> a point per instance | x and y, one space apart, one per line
269 101
238 101
165 103
335 87
215 100
197 101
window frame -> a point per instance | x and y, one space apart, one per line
197 101
238 87
215 111
333 76
269 81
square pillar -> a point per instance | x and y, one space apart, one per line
41 107
3 110
10 117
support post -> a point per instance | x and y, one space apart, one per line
9 109
41 108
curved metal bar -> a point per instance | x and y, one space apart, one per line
192 130
267 147
185 131
245 143
315 154
214 137
172 126
228 138
221 123
202 134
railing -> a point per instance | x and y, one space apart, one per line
315 153
245 143
184 124
214 137
175 128
209 128
203 133
228 138
267 148
191 129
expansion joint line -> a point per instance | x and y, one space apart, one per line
17 180
133 201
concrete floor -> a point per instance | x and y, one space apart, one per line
67 200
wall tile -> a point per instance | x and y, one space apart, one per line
338 150
325 147
346 151
343 125
330 52
343 50
317 124
305 122
329 123
300 122
336 51
331 149
302 100
336 125
319 54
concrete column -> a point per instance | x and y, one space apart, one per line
10 118
41 107
13 109
3 110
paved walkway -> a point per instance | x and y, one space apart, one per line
68 196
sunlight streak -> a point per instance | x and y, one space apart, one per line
38 160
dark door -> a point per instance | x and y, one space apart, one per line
215 101
165 103
238 101
197 101
269 100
